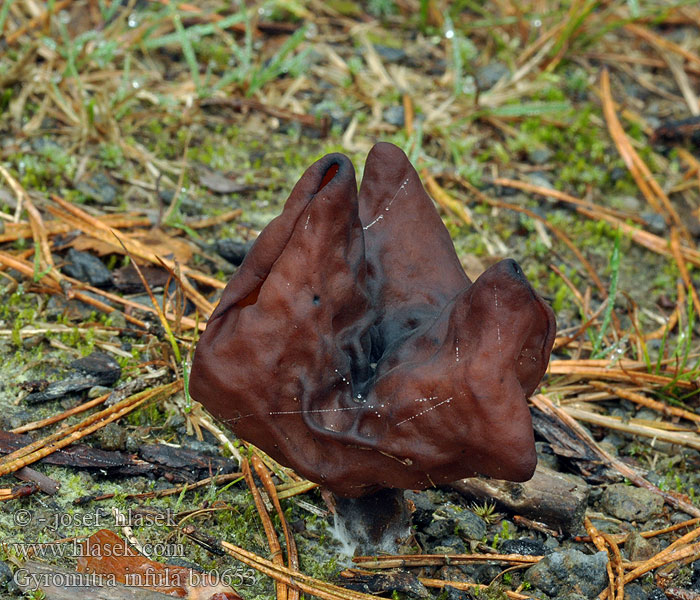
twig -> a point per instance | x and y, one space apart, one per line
555 230
599 543
662 42
49 444
545 404
272 541
621 538
292 554
446 201
690 440
42 19
589 368
467 586
680 263
652 191
642 400
292 578
431 560
61 416
672 553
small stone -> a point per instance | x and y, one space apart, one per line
617 173
570 572
101 365
540 179
389 53
524 546
631 503
679 517
86 267
99 189
73 310
550 544
545 455
449 519
654 222
470 526
31 341
452 593
7 580
424 508
480 573
132 443
442 523
539 156
614 440
695 577
98 390
451 545
488 75
117 319
200 446
638 548
233 251
395 115
628 203
634 591
18 419
112 437
608 447
647 414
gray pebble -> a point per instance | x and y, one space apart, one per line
524 546
389 53
634 591
394 115
112 437
638 548
539 156
488 75
540 179
86 267
449 519
655 222
99 189
629 203
117 319
570 572
7 581
631 503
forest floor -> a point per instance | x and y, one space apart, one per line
562 134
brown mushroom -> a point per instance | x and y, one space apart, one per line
351 346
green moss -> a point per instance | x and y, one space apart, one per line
111 155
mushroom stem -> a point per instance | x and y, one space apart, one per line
374 523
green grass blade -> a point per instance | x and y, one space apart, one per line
187 50
529 109
612 292
193 33
3 13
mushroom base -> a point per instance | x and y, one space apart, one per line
374 523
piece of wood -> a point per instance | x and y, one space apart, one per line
557 499
46 484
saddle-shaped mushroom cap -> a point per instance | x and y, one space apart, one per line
351 346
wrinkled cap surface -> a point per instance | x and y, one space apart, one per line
352 347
